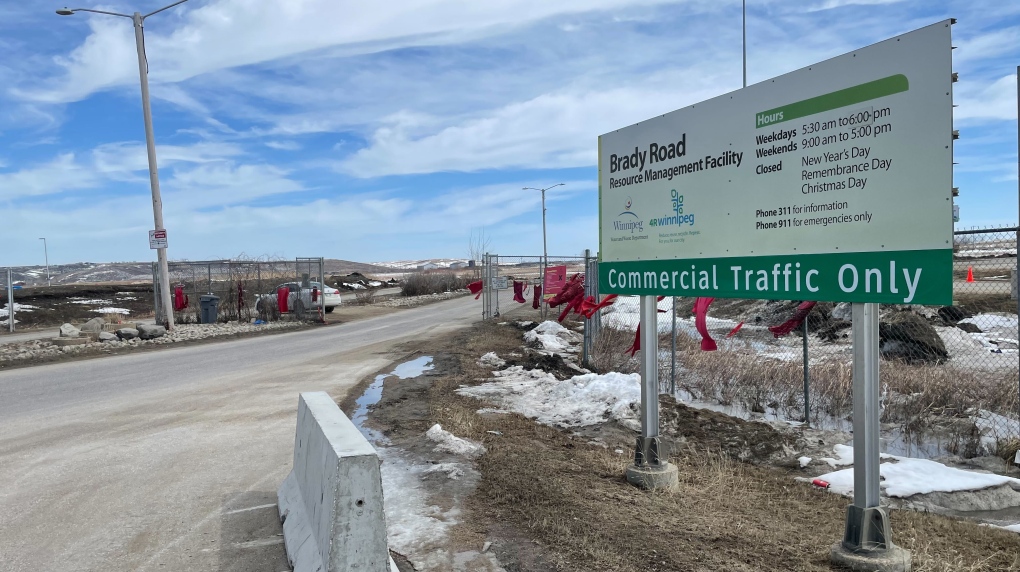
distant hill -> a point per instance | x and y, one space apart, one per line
414 264
105 272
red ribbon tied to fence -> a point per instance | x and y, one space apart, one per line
790 325
476 288
700 323
633 349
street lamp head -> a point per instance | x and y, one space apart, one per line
65 12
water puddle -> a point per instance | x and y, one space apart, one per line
373 393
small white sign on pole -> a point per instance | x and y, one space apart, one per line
157 239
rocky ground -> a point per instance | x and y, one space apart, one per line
489 489
46 350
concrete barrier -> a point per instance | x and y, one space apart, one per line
331 504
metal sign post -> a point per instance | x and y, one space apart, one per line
10 300
867 539
650 470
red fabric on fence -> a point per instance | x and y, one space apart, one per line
633 349
476 288
636 346
700 314
538 297
589 306
734 331
180 299
571 290
790 325
519 292
282 298
240 295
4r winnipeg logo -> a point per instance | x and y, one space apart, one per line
678 218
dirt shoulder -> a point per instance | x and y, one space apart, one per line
552 499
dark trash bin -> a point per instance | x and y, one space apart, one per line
210 306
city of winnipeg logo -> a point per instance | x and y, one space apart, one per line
679 217
628 220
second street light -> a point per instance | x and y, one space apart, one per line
46 253
157 204
545 250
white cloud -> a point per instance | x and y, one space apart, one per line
219 184
109 162
283 145
231 33
830 4
988 102
61 174
556 130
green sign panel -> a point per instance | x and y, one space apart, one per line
833 182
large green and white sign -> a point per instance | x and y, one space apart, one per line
832 182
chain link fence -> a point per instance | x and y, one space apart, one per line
950 375
500 273
246 289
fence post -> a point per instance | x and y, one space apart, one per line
10 300
807 378
155 292
672 365
485 286
496 292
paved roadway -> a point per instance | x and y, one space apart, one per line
169 460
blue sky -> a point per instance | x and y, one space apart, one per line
377 131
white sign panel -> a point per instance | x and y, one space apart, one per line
157 239
500 283
848 157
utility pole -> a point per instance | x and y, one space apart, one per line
150 146
46 253
545 250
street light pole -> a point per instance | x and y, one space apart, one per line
150 146
46 253
545 249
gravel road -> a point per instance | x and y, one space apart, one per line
170 460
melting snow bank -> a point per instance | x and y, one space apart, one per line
414 528
903 477
576 402
553 337
447 442
924 485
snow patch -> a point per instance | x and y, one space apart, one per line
109 310
5 311
844 457
992 322
491 360
905 477
414 528
447 442
804 461
89 301
580 401
451 470
553 337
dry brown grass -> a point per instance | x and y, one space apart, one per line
727 516
920 397
570 501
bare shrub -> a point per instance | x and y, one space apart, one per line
364 297
920 397
424 283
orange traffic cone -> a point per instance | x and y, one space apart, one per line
970 274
